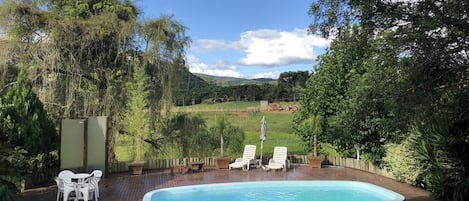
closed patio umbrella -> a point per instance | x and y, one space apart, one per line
263 135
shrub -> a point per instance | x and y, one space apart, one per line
403 160
444 149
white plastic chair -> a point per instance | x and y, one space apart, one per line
89 187
278 160
97 174
247 159
64 188
66 175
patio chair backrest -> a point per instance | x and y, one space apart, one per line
280 155
60 183
97 173
249 153
66 175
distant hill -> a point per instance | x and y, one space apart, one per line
232 81
191 89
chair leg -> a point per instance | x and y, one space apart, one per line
65 195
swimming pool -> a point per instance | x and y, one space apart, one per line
277 190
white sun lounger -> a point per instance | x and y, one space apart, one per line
247 159
278 160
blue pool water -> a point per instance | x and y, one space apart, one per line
276 190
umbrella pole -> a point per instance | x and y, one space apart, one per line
262 143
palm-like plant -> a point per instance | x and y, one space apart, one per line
230 136
220 130
312 127
444 148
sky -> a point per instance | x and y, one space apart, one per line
243 38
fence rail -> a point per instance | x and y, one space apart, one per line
360 165
295 159
121 166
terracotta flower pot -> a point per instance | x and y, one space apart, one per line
315 162
136 167
222 162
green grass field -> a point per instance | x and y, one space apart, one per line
279 126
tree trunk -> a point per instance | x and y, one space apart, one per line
222 145
315 146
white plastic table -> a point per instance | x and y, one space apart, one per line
81 177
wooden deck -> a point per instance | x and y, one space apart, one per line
126 187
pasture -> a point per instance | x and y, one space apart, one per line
279 126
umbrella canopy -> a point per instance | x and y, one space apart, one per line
263 135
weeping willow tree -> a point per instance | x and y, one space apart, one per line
71 49
165 41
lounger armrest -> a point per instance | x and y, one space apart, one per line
239 160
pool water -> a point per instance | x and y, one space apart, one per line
277 190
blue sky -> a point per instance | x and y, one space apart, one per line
243 38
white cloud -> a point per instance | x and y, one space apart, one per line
273 75
220 68
269 47
262 49
204 45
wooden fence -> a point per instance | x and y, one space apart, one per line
294 159
39 178
360 165
121 166
47 178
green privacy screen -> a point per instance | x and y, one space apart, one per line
83 144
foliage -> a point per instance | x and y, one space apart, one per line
289 83
404 161
31 128
443 147
136 115
309 129
280 133
234 140
12 161
202 142
284 89
79 56
342 79
233 136
163 55
191 89
188 134
232 81
406 63
27 137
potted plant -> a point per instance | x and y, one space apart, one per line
225 131
136 116
312 127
